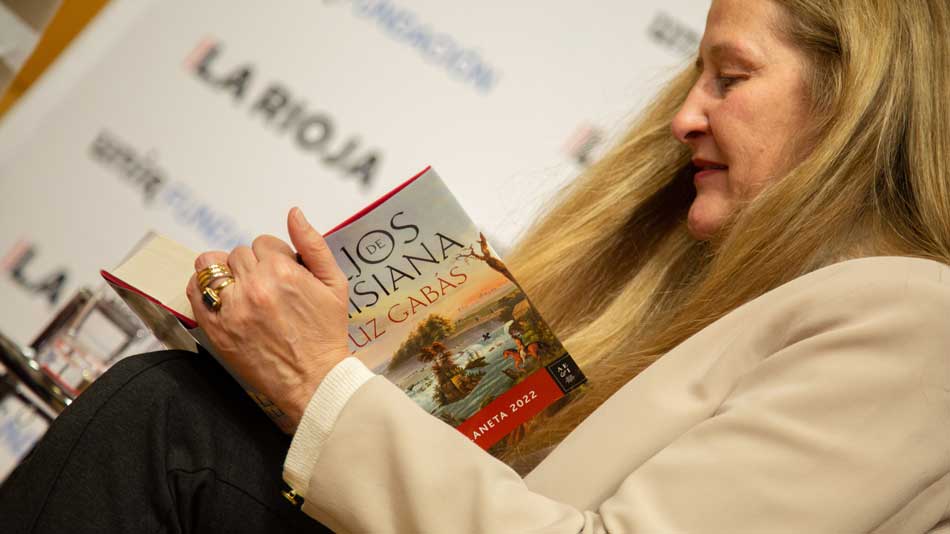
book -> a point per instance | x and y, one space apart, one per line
432 308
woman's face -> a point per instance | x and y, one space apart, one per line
745 111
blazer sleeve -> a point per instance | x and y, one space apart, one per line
836 431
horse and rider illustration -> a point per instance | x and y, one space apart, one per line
521 353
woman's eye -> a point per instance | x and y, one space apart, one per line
724 83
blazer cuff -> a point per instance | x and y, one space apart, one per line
318 419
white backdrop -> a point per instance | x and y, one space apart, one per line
208 120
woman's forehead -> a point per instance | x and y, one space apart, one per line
743 17
741 28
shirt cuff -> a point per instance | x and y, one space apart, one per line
318 419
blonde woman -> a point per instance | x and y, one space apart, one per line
755 280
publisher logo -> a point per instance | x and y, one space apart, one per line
142 171
566 373
585 144
673 34
47 284
440 48
315 132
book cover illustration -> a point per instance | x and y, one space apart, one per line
433 309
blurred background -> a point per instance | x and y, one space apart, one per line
206 121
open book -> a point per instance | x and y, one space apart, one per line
431 307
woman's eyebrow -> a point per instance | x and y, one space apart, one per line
720 49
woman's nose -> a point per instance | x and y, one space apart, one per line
691 121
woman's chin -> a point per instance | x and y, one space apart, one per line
704 221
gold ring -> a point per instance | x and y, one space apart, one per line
212 296
211 299
211 272
206 281
228 281
206 277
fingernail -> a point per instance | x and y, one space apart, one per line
298 214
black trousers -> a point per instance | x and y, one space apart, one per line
163 442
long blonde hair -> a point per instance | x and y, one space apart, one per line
612 267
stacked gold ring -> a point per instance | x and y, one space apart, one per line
211 295
213 272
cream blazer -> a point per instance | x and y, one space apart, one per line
822 406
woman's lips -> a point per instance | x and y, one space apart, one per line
707 172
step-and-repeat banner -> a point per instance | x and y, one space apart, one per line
207 120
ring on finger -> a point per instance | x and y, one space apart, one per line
211 272
227 281
211 298
208 281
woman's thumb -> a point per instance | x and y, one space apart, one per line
314 251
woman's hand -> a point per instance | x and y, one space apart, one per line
281 326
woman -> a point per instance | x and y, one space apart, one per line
762 296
